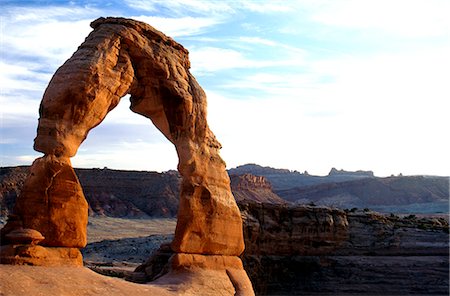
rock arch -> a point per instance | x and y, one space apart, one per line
119 57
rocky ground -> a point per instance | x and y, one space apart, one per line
290 249
308 251
116 246
68 281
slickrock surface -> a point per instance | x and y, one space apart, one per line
67 281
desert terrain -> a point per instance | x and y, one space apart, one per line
292 248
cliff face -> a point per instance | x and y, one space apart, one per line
11 182
256 188
383 194
283 179
294 250
285 230
112 193
134 194
130 193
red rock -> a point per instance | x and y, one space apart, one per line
25 236
40 256
120 57
219 275
52 202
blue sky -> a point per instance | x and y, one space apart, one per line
303 85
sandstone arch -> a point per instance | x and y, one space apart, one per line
119 57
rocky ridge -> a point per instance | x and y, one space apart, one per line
118 193
383 194
282 179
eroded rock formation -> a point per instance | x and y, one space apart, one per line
120 57
251 187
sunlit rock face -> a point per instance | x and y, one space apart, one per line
119 57
53 203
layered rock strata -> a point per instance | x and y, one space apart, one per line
303 250
251 187
120 57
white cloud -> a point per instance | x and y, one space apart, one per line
37 39
408 18
18 76
213 59
125 155
384 113
181 26
182 7
273 6
17 106
257 40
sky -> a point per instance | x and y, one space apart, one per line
305 85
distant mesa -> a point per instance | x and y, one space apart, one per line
359 173
254 188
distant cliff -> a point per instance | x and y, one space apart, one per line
282 179
114 193
408 194
256 188
134 194
119 193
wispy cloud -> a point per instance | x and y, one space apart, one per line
208 59
406 18
138 155
274 6
357 84
181 7
181 26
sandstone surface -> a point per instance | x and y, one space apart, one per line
52 202
119 57
25 236
40 256
68 281
123 56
